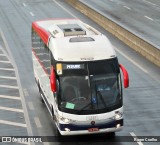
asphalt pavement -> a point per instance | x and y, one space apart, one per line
141 17
141 99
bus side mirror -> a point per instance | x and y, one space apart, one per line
53 80
125 76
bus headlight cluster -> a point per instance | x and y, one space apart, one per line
118 115
65 120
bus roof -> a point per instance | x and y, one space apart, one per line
73 40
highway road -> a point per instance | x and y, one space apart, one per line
28 115
138 16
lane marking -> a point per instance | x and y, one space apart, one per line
24 4
149 18
132 61
37 122
2 55
134 136
4 77
26 114
32 14
127 7
30 105
5 61
151 3
11 87
9 69
11 109
25 92
10 97
12 123
64 9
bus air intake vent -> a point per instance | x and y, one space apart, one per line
81 39
71 29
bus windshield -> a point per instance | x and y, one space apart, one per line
96 90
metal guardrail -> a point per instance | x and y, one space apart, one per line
143 47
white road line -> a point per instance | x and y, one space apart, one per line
5 61
151 3
10 97
11 87
11 109
9 69
135 137
30 105
149 18
2 55
144 70
27 120
127 7
37 122
4 77
24 4
64 9
12 123
25 92
32 14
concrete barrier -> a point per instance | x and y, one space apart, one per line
138 44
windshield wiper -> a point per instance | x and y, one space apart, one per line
101 97
84 107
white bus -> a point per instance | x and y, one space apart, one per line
78 76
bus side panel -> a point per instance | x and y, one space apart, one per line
42 65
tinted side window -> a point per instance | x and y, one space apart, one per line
41 50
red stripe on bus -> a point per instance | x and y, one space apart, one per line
44 35
40 62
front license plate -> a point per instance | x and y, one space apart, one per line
93 129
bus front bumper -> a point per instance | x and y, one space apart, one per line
70 129
82 132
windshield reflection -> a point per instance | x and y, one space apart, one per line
78 94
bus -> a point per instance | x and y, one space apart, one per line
78 76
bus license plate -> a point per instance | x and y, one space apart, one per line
93 129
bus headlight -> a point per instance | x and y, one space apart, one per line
65 120
118 115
